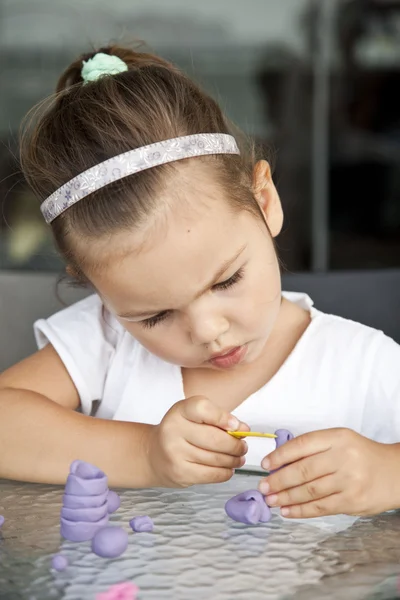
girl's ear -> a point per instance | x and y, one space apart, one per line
267 197
71 272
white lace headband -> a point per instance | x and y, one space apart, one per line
132 162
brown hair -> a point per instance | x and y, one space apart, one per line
86 124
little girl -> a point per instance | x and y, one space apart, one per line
169 216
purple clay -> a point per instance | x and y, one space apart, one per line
84 469
73 501
59 562
91 514
110 542
283 436
2 519
249 508
113 501
81 531
85 480
140 524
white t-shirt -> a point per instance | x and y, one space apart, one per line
340 374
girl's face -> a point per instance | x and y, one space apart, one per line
205 282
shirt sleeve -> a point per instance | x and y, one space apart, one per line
84 336
381 420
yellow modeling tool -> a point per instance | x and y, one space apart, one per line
243 434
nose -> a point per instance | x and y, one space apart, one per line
206 326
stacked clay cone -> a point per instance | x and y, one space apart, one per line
87 502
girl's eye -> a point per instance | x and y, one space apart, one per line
224 285
153 321
163 316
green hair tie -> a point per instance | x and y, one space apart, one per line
102 64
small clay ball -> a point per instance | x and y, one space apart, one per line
140 524
283 436
113 501
110 542
59 562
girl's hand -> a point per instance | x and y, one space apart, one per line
191 445
331 472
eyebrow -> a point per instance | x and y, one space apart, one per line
224 267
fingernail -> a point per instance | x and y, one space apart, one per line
271 500
264 487
233 423
246 447
242 461
285 511
265 464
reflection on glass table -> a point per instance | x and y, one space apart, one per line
195 551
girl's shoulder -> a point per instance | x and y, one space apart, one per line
87 317
88 339
339 338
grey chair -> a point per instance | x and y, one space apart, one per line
369 297
25 297
372 298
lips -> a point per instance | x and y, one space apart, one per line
224 352
229 358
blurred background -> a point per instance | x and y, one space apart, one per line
316 81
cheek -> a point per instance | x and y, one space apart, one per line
163 341
261 299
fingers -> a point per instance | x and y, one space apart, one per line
199 409
215 440
242 427
298 448
308 486
329 505
303 471
314 490
204 474
216 459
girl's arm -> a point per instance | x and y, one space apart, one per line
41 434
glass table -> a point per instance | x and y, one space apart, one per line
196 551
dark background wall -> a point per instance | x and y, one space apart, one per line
318 81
